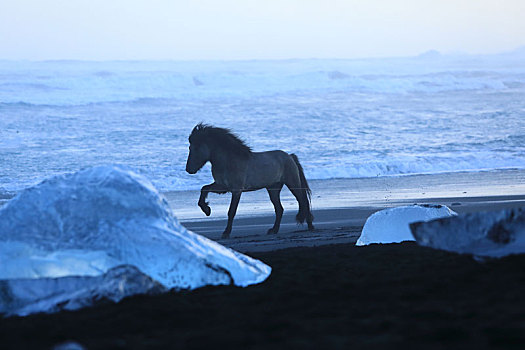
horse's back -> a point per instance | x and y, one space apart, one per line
267 168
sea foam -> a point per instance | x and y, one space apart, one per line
343 118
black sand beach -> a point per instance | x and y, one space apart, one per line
334 296
324 292
341 206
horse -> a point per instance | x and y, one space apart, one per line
237 169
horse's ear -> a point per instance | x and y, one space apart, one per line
199 127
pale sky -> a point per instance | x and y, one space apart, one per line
255 29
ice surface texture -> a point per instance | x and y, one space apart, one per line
487 234
24 296
392 225
88 223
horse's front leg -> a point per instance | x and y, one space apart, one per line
204 194
236 197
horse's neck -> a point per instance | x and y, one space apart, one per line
220 160
225 167
217 159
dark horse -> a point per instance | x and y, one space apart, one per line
236 169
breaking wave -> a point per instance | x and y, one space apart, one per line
343 118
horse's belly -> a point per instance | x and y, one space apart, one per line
263 171
258 181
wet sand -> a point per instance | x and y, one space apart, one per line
333 226
324 292
341 206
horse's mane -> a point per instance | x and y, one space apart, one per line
219 138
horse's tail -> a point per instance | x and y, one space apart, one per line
305 212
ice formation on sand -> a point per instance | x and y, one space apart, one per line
104 232
490 234
392 225
23 296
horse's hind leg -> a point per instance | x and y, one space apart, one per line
275 197
304 207
294 181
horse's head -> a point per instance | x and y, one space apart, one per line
199 155
199 150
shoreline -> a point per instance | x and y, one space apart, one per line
333 225
380 192
341 207
359 191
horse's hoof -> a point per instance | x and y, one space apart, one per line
225 235
272 231
206 210
311 227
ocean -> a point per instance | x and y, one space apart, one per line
364 118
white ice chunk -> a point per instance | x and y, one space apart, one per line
486 234
87 223
392 225
26 296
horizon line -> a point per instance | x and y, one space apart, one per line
432 53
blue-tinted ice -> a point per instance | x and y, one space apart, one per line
67 240
392 225
483 234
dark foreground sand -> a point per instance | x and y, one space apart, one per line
334 296
319 295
